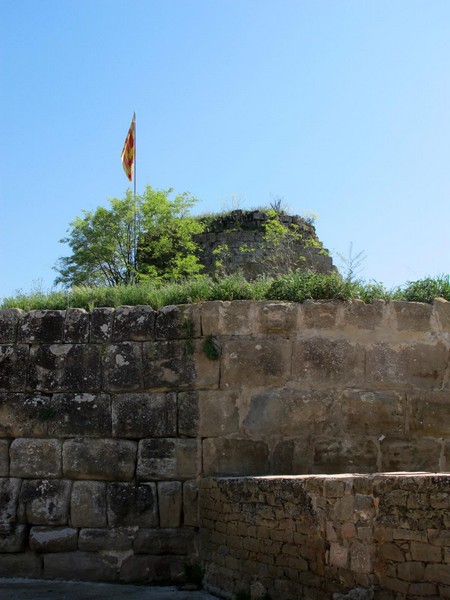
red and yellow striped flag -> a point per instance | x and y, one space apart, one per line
129 150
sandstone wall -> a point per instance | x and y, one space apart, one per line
310 536
109 419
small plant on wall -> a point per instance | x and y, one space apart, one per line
211 347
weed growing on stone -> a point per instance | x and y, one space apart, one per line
211 347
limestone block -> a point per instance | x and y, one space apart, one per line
75 415
320 314
372 412
207 371
409 454
9 321
4 458
426 552
277 317
167 365
13 367
442 310
188 414
152 569
123 367
103 459
169 324
140 415
168 459
348 455
219 413
134 323
132 504
53 539
44 501
31 458
224 457
170 502
101 325
418 364
190 504
429 413
255 362
339 555
24 415
88 504
12 538
363 316
292 457
228 318
361 558
20 564
65 367
42 326
106 540
85 566
76 326
288 412
411 571
412 316
9 494
319 361
438 573
165 541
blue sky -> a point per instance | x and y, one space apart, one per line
340 107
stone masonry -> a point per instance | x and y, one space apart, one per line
109 421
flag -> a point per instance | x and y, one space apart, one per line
129 150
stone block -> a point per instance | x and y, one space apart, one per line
372 412
4 458
168 459
324 361
132 504
409 454
188 414
12 538
53 539
165 541
9 494
76 326
134 323
170 502
167 364
88 504
219 413
31 458
9 321
276 318
228 318
292 457
44 502
85 566
106 540
65 367
411 571
339 555
361 558
101 325
426 552
103 459
437 573
224 457
207 371
320 314
171 325
429 413
22 564
442 311
42 326
412 316
13 367
123 367
288 412
255 362
190 504
152 569
83 414
140 415
417 364
391 552
24 415
347 455
363 316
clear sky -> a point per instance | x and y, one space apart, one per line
340 107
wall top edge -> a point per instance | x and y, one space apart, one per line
444 475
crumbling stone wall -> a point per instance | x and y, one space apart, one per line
310 536
109 419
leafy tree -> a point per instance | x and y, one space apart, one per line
136 239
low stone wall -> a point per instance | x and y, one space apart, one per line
109 419
307 537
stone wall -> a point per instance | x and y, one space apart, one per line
109 419
312 536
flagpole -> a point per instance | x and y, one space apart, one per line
135 200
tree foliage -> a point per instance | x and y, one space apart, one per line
149 237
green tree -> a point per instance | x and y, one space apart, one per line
135 239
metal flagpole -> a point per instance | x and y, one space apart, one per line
135 203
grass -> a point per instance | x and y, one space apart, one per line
294 287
